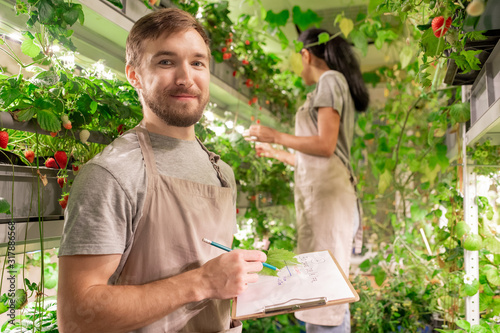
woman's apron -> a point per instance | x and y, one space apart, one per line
177 214
326 206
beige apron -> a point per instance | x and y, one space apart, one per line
325 205
177 214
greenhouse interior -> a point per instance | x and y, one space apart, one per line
341 157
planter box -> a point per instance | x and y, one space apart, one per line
19 186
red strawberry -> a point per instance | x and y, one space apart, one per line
53 134
255 99
61 181
226 56
245 62
252 118
30 155
51 163
67 125
61 159
237 210
234 73
4 139
75 167
249 83
439 26
63 202
224 49
258 121
247 42
120 129
229 41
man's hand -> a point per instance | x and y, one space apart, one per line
227 275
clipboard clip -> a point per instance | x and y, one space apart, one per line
306 303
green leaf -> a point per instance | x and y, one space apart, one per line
305 19
346 25
277 20
432 45
463 324
471 289
28 47
384 182
379 274
360 41
492 244
323 38
365 265
279 258
46 13
20 298
48 120
117 3
26 114
493 277
460 112
462 229
417 214
3 308
71 16
473 242
4 206
405 56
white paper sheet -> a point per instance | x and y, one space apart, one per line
316 276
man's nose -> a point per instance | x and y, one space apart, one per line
184 76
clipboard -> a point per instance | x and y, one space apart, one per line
316 282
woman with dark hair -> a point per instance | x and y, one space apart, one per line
326 204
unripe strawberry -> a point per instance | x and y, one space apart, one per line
64 118
84 135
67 125
475 8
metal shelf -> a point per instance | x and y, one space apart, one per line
485 102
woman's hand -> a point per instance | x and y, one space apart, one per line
265 150
262 134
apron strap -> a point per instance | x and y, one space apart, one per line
147 150
213 159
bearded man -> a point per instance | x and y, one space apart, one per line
131 256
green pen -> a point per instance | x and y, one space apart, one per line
225 248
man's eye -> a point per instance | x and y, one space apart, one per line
198 64
165 62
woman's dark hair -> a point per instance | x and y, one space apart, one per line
339 56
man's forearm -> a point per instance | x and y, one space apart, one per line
123 308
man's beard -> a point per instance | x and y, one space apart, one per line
176 113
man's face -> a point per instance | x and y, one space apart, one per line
174 77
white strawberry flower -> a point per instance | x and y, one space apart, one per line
468 278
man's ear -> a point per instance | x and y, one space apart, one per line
132 76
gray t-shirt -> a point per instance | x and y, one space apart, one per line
332 90
108 194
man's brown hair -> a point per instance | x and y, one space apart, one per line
152 26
